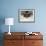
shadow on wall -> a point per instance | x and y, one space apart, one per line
2 21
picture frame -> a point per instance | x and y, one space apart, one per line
26 15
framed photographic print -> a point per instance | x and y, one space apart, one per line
26 15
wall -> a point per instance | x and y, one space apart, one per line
9 8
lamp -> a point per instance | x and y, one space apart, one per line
9 21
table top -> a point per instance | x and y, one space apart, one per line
22 35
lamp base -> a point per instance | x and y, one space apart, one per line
9 33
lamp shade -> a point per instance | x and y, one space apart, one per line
9 21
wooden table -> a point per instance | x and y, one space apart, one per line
20 39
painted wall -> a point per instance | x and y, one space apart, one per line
9 8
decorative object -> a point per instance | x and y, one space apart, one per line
26 15
9 21
30 33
